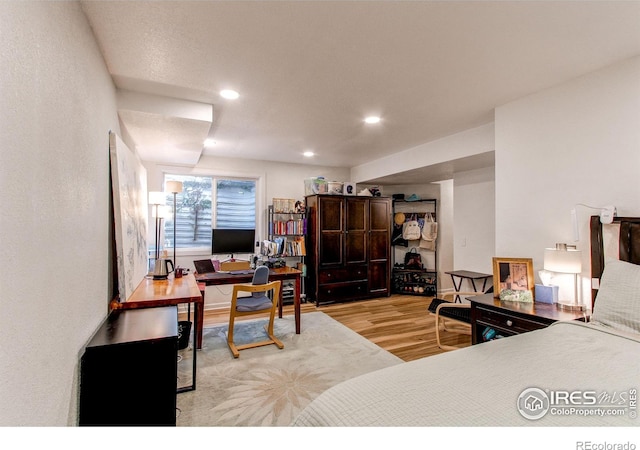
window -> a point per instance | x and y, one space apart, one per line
208 202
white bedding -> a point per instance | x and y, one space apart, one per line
480 385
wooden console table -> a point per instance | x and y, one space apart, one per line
152 293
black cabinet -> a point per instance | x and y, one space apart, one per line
128 372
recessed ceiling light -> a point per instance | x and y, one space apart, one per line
229 94
209 143
372 119
308 154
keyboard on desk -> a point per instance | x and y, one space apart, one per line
242 272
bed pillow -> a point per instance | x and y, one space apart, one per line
617 304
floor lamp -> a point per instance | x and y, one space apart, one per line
157 199
174 187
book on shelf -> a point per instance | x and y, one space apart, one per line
284 246
292 226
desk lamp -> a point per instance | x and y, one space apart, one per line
564 259
174 187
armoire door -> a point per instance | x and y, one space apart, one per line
379 245
356 230
331 231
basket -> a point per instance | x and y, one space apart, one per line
184 332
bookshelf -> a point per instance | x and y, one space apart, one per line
286 238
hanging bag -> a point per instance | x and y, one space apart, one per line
411 230
429 234
412 259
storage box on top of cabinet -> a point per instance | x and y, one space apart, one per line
284 205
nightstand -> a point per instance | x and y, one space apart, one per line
511 318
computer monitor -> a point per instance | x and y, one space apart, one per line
230 241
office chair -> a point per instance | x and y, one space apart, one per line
257 303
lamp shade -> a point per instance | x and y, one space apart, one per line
175 187
161 212
564 261
157 198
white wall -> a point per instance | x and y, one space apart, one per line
58 105
460 145
474 223
443 194
575 143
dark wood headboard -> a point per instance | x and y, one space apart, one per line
628 246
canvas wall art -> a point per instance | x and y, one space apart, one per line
129 184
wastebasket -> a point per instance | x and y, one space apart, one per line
184 332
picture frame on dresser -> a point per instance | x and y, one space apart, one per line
513 278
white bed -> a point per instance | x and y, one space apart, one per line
569 374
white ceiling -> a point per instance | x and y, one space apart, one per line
308 72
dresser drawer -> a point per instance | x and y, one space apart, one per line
352 273
352 290
507 322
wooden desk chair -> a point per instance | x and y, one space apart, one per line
257 303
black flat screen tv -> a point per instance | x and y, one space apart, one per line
232 240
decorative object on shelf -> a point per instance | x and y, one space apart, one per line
413 198
349 188
335 188
174 187
375 191
284 205
516 295
515 276
566 260
316 185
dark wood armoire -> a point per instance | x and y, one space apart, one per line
348 247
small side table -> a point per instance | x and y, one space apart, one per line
468 275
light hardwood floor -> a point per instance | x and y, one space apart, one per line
400 324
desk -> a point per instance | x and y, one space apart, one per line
468 275
281 273
152 293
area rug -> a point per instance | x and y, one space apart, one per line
267 386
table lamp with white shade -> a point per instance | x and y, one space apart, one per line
567 260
